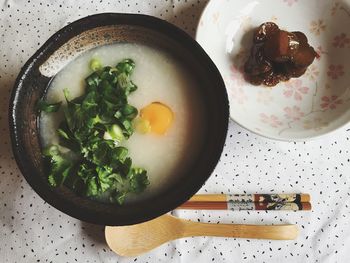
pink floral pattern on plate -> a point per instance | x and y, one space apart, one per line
335 71
320 52
295 89
238 95
216 17
335 8
317 27
264 97
312 72
294 113
330 102
236 75
341 41
272 120
236 81
290 2
315 124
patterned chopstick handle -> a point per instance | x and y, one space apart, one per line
237 202
236 206
267 198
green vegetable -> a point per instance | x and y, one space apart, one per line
138 180
142 125
94 125
95 64
48 107
60 165
114 132
126 66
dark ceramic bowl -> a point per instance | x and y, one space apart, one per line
62 48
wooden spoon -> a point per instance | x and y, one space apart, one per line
137 239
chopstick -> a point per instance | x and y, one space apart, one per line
245 206
255 198
237 202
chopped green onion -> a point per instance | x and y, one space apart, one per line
94 125
48 107
114 133
142 126
95 64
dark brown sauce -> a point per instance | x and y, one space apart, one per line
277 55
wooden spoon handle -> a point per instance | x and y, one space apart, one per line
275 232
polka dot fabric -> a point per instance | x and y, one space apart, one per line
33 231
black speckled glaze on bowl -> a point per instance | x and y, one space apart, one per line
67 44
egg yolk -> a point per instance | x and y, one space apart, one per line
159 116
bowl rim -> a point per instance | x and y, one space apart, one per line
267 136
91 22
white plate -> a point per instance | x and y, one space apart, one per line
305 107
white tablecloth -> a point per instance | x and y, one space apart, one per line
33 231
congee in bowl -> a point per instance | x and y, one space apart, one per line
121 150
118 118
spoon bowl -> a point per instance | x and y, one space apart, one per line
137 239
